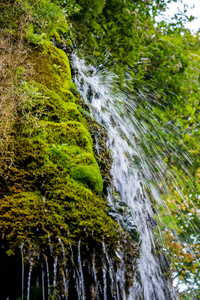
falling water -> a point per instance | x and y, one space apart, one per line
110 109
48 279
65 274
95 276
29 279
110 265
120 278
104 279
81 279
76 274
22 257
50 244
43 289
55 274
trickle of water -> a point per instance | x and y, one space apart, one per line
43 290
48 279
110 109
65 272
81 278
29 278
66 283
110 265
50 245
95 276
65 286
76 273
63 251
120 277
104 280
55 273
22 257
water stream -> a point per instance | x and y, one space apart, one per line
115 111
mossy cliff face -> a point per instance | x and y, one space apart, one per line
51 208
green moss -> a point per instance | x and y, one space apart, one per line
55 184
52 68
81 166
67 95
89 175
85 211
49 106
56 138
67 146
71 133
58 31
27 220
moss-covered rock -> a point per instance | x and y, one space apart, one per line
52 69
51 195
49 106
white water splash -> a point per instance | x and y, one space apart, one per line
110 109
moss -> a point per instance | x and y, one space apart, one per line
81 166
71 133
67 146
52 68
53 189
27 220
68 209
58 31
67 95
49 106
89 175
86 212
54 34
55 142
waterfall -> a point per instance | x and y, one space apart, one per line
115 111
95 276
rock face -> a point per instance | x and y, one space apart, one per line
57 237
